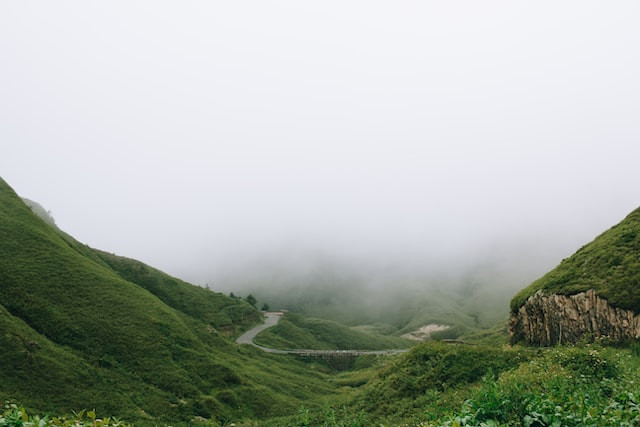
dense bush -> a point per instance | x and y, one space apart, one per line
565 386
16 416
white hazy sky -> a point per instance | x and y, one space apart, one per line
193 134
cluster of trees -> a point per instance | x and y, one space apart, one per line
251 300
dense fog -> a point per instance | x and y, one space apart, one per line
257 144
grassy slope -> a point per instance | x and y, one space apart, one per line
497 336
296 331
406 309
438 384
31 367
438 308
106 342
610 265
228 315
415 379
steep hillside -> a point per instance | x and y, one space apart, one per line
610 265
228 315
81 328
596 291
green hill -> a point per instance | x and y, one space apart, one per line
295 331
228 315
610 265
81 328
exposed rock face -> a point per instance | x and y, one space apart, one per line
557 319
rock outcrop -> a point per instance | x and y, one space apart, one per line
557 319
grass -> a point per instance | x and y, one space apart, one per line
496 336
430 371
81 328
13 415
564 387
610 265
296 331
455 385
228 315
397 309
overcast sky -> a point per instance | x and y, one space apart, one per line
192 135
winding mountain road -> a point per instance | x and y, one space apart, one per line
272 319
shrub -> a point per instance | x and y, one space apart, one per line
16 416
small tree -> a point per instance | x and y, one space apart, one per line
251 300
265 307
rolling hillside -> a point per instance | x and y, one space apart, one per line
297 332
81 328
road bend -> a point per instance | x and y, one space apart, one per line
272 319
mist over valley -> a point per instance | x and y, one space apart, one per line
319 214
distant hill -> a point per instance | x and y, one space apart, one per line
297 332
595 292
391 305
81 328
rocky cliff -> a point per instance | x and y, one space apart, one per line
593 293
557 319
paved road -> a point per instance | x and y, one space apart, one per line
247 337
272 319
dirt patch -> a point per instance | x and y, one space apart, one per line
424 333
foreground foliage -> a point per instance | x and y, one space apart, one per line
82 328
482 386
568 387
16 416
454 385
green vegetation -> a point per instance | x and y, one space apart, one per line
467 304
251 300
497 336
610 265
296 331
82 328
431 371
227 315
459 385
438 384
37 209
15 416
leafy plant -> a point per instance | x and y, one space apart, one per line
17 416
